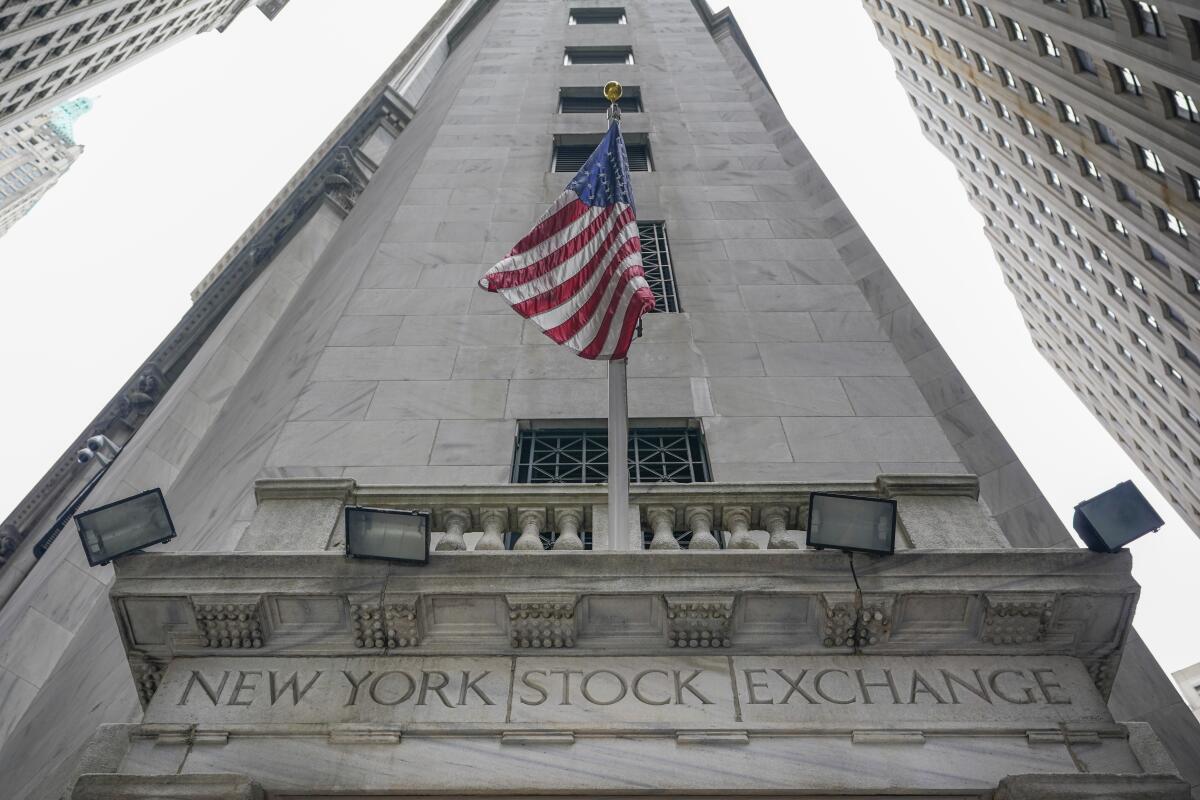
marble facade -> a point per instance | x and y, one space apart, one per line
339 355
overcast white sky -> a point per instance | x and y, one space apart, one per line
185 149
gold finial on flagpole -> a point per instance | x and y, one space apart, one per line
613 92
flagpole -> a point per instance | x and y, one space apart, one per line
618 406
618 447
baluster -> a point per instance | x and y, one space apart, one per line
531 520
567 521
494 521
736 520
455 521
700 520
662 522
774 519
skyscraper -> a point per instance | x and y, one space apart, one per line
340 362
1074 128
34 155
53 50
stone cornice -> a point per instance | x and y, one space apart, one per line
724 23
1066 602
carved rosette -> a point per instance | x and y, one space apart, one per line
393 624
230 624
147 675
700 620
541 620
849 623
1017 620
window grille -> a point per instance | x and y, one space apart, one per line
656 261
592 101
597 16
580 455
598 55
547 538
572 157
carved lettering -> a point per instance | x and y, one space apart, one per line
682 683
1045 685
751 685
469 685
636 685
821 692
373 691
621 688
537 687
290 683
354 684
426 687
566 683
921 685
197 678
867 685
794 687
994 681
240 686
979 690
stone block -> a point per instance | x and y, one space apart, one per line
871 359
779 397
804 298
474 442
914 439
334 400
369 443
746 439
365 331
848 326
191 786
557 399
384 363
886 397
461 399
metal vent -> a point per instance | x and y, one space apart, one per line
572 157
597 16
580 455
595 103
598 55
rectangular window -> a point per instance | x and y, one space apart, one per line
598 55
656 261
597 16
572 157
580 455
1147 20
591 100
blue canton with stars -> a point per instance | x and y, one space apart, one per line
604 179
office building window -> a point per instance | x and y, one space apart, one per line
597 16
1129 82
598 55
580 455
1184 106
1146 19
656 261
1149 160
1096 8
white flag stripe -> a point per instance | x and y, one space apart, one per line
574 265
557 316
618 319
554 243
584 336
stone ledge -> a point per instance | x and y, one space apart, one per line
166 787
1092 787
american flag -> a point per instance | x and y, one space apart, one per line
578 274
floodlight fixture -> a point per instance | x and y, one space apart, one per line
850 523
124 527
1113 519
388 534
